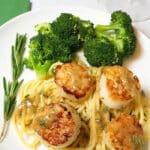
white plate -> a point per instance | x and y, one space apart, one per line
139 63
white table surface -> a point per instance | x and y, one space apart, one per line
39 4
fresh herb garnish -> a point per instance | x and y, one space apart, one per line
27 96
121 109
142 93
11 87
137 140
105 109
42 123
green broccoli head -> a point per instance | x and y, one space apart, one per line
60 51
66 28
120 17
126 45
100 52
120 32
86 29
65 25
44 51
72 30
43 28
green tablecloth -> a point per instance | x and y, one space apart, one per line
11 8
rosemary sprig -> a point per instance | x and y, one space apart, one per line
11 87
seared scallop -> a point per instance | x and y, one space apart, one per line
118 86
124 133
57 124
73 78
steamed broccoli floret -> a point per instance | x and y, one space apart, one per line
43 28
119 43
72 30
86 29
120 32
120 17
100 52
45 50
66 27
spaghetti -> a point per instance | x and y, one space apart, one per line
95 115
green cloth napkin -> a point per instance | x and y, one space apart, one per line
12 8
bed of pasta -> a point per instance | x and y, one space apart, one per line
94 114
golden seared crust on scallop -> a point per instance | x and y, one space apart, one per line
118 86
121 82
124 133
57 124
73 78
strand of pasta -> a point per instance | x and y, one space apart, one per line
21 130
